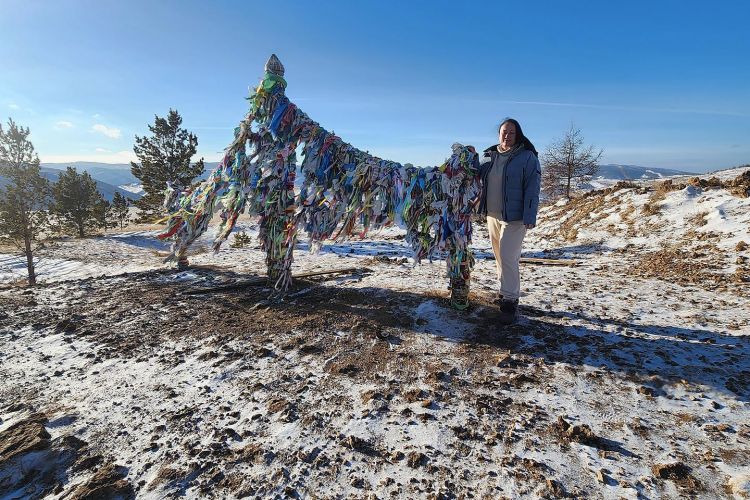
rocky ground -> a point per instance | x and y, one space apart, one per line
614 384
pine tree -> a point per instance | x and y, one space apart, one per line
104 215
25 199
120 209
77 201
164 157
567 163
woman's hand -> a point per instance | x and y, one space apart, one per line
529 226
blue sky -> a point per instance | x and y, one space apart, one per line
659 84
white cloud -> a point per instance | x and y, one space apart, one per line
111 132
64 124
98 156
102 150
96 116
13 105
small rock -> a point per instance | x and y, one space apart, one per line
677 472
556 488
646 391
416 459
580 433
718 428
67 325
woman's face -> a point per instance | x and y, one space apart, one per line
507 135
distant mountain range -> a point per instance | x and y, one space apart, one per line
635 172
107 189
117 174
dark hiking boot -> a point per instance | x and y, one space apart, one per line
508 312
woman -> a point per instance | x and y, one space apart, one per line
510 198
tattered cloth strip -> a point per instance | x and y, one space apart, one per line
345 191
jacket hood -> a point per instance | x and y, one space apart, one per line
524 143
494 147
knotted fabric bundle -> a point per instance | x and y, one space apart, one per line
344 191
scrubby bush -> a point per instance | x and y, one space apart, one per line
240 240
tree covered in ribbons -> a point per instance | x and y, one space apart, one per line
25 198
164 159
345 192
77 204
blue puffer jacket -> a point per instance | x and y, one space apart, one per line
521 183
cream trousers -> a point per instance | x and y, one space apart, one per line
507 238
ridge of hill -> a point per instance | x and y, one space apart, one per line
107 190
689 229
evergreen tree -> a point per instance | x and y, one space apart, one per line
120 209
164 157
104 215
77 201
25 199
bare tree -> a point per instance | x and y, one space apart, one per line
25 198
567 162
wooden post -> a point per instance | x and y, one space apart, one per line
460 281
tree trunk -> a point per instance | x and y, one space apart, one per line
29 260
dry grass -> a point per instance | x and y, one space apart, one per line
664 186
739 186
578 213
626 214
699 267
652 207
698 219
702 266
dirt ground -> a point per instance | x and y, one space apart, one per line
129 386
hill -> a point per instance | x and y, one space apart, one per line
115 174
687 229
633 172
610 174
626 360
107 190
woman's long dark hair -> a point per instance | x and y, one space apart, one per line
520 138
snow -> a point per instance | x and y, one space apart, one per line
133 188
648 363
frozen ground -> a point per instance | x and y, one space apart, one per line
628 375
